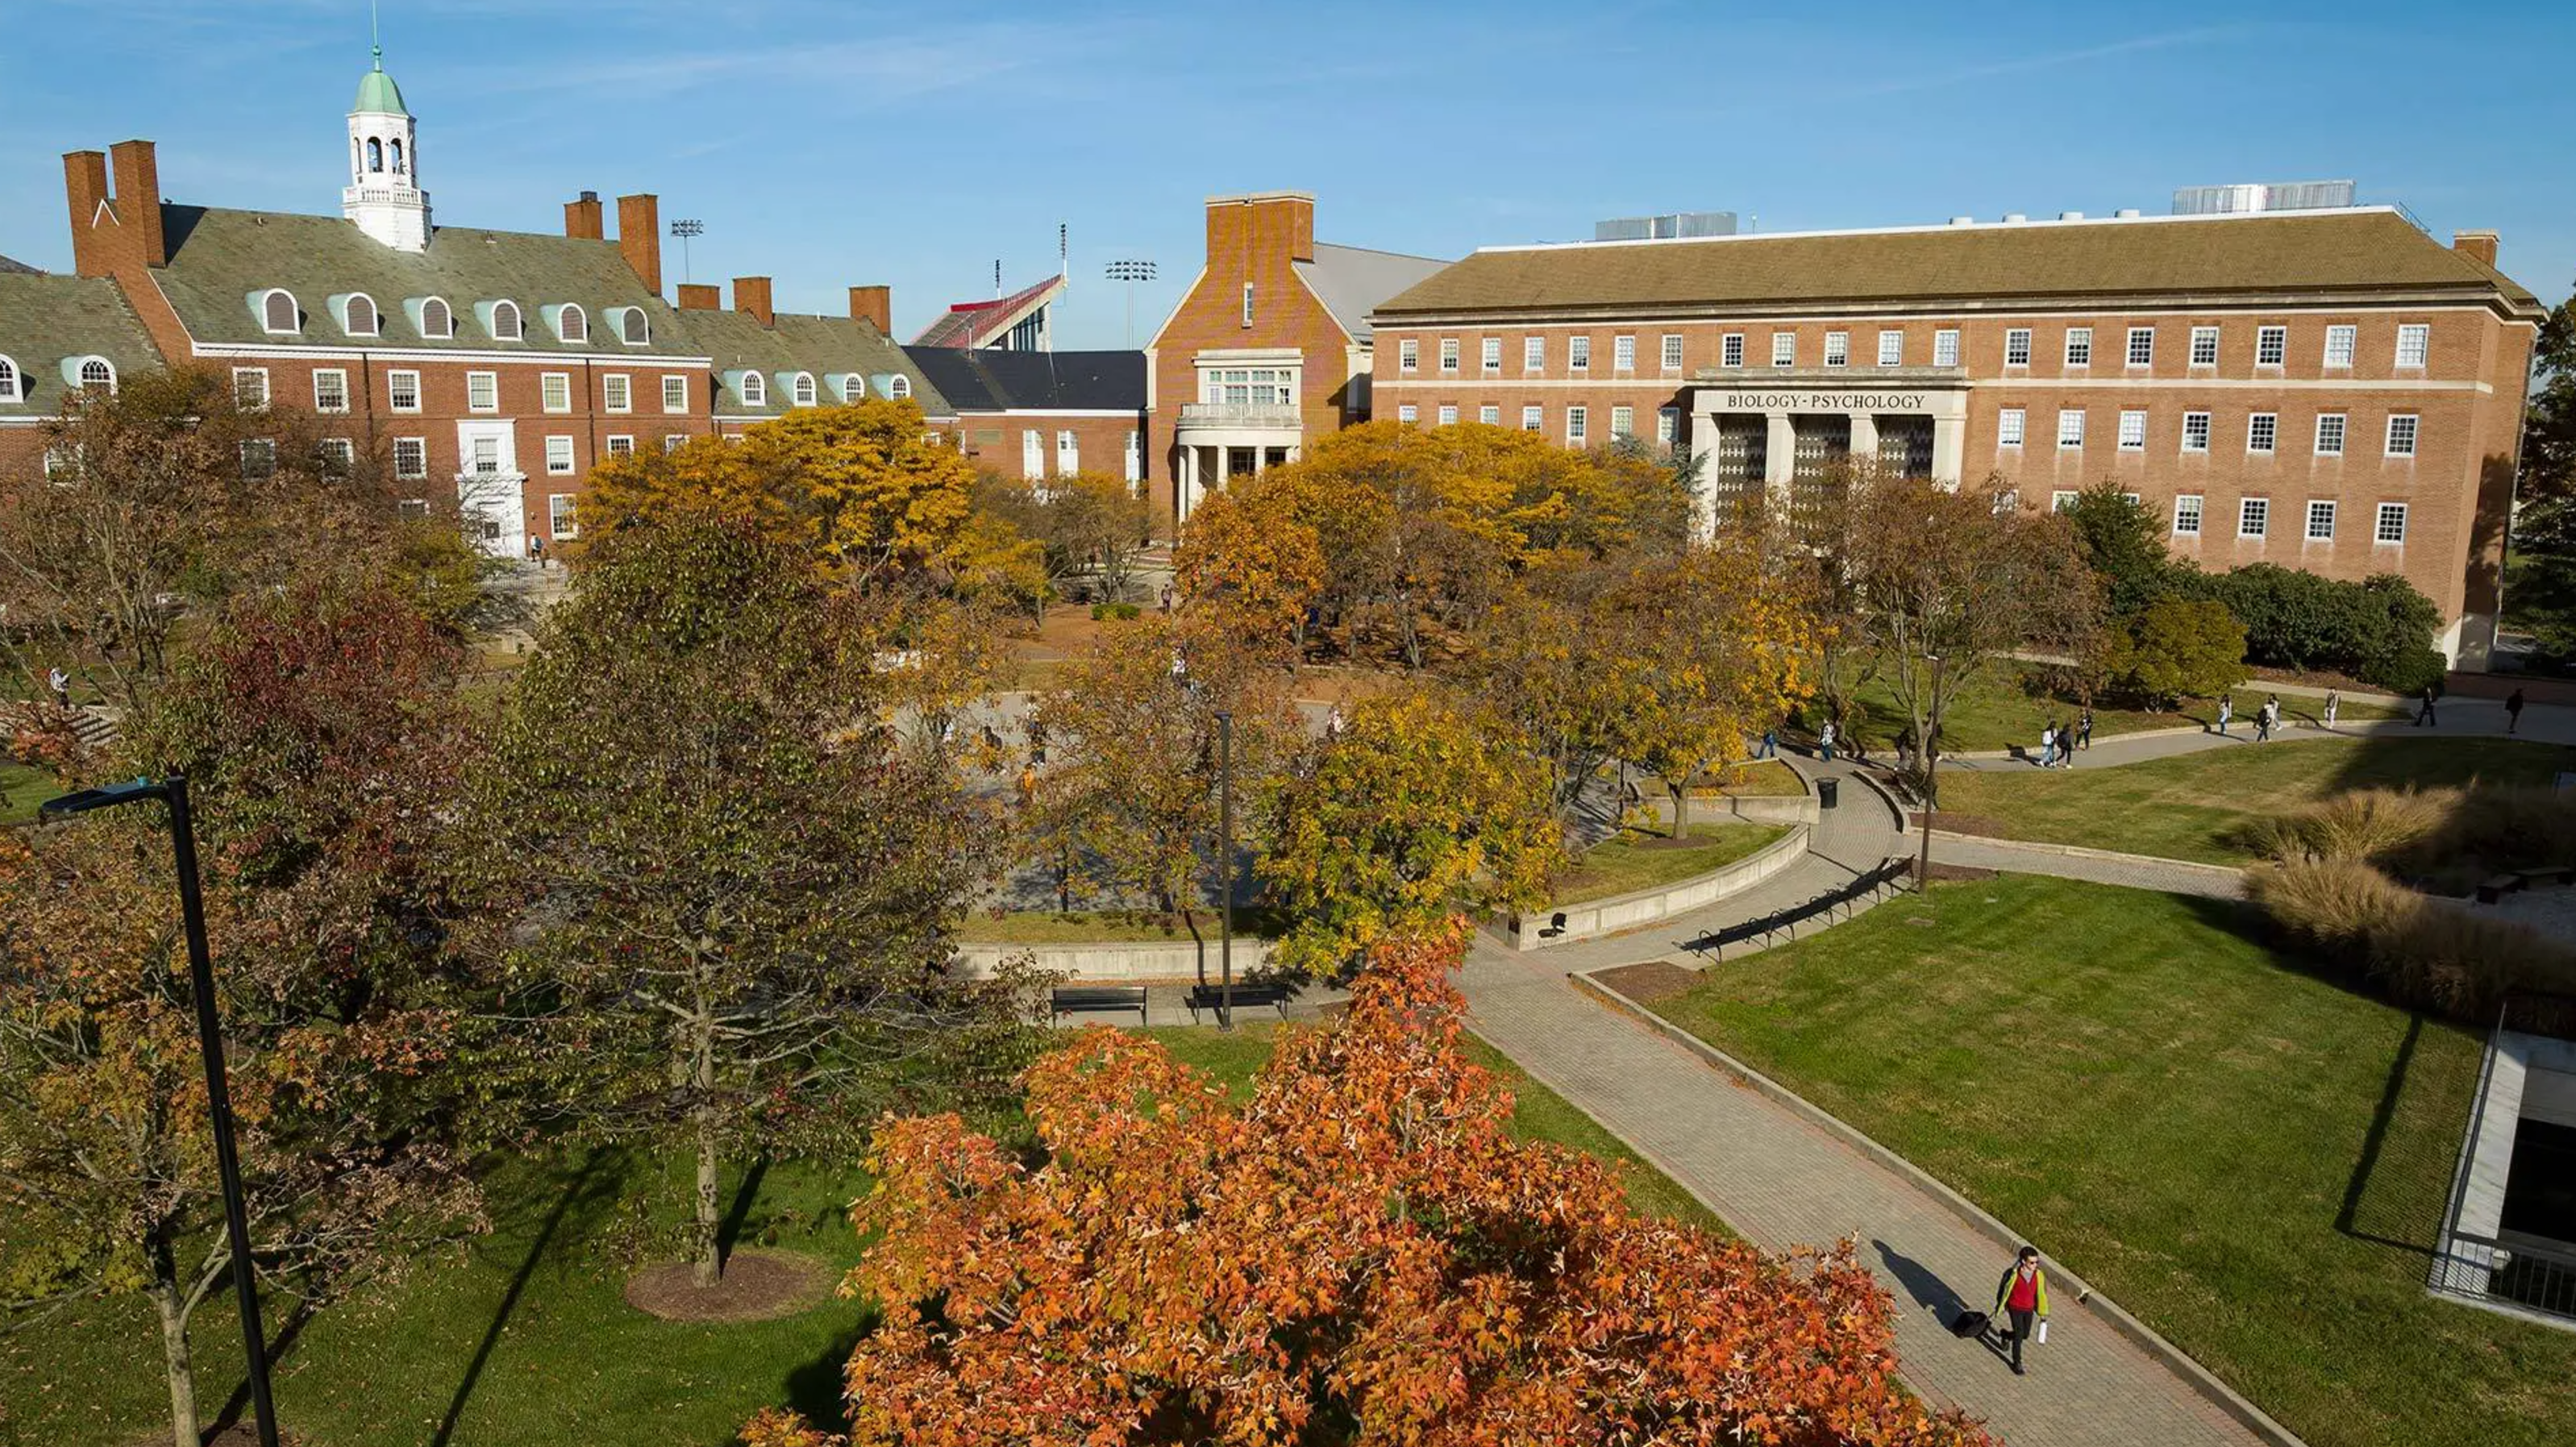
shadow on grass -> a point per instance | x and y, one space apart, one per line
594 1183
279 1345
730 1232
2374 1140
815 1389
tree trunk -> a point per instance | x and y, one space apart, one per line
1681 805
709 1267
169 1304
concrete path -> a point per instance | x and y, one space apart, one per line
2135 871
2457 718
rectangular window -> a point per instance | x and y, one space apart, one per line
1891 349
258 456
1533 354
2391 525
2321 521
1784 349
1449 355
1068 452
411 457
2142 346
675 394
2079 346
1491 350
1578 353
1533 418
1408 414
2401 435
2413 340
1623 422
2008 427
674 441
554 391
2133 430
487 456
1408 355
617 391
559 514
621 446
2187 515
402 391
482 392
1668 424
337 454
2339 343
2329 434
2070 427
330 390
2195 432
1945 347
2262 430
2061 501
2253 517
1730 350
558 455
1672 351
2204 346
1578 424
2271 346
1247 303
250 388
1490 415
1837 349
2017 347
412 507
1135 456
1623 354
1448 414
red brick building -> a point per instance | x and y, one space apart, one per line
2331 390
1269 346
1041 414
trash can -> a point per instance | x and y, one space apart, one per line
1828 793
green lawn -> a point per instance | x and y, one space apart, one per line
2196 806
22 789
1767 779
2003 707
1631 859
2252 1160
1047 927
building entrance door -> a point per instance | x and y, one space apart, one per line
1816 466
1741 459
1905 446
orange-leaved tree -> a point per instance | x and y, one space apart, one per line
1358 1252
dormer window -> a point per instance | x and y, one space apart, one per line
96 374
755 392
635 327
8 380
505 321
279 313
436 321
899 386
802 389
854 388
572 324
358 317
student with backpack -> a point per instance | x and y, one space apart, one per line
2021 1298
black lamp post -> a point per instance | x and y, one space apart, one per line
173 791
1931 787
1225 863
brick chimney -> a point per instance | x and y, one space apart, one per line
582 218
2477 246
85 189
138 200
751 294
639 236
701 297
1273 225
873 304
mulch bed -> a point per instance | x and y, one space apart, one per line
757 1286
1654 980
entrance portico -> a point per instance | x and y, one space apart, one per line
1788 430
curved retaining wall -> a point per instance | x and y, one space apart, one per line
1128 960
1594 918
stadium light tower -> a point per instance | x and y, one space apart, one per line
1131 272
684 230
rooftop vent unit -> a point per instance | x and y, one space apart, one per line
2070 215
2015 216
2127 213
2261 196
1963 220
1675 224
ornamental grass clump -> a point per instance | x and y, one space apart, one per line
2419 952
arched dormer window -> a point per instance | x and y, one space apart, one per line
505 321
572 324
854 388
802 389
358 316
98 373
279 314
755 391
636 327
436 321
375 154
8 380
396 148
899 386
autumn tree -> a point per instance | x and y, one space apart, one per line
1256 555
1358 1252
320 735
1088 523
1132 741
723 897
2175 650
1566 683
1417 811
865 490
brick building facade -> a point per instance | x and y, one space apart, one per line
2328 390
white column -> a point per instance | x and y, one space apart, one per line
1704 455
1864 439
1779 457
1189 483
1949 447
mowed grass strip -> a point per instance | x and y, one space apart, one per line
1634 859
2252 1160
2197 806
2002 707
22 788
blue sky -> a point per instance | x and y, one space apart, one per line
828 144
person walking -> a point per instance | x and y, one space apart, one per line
61 683
2334 705
2263 720
1028 785
1334 723
1770 743
2513 712
1825 741
2424 717
1167 597
2048 745
2020 1298
2226 711
2084 729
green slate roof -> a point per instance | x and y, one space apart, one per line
377 91
831 348
221 261
48 320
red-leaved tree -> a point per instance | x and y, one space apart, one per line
1358 1252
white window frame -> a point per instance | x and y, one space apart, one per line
518 331
106 370
419 449
320 402
2341 428
1784 349
1408 354
617 392
338 455
2257 424
375 315
2417 338
2379 525
2187 503
246 374
264 450
1623 352
1068 452
2412 426
2204 346
2140 348
1449 356
2272 346
854 389
559 460
1668 425
1448 414
2319 508
1671 355
2012 426
2133 429
2079 347
1489 414
2254 517
1247 304
2342 340
2017 340
1578 352
898 386
1891 347
621 444
1945 347
267 317
572 324
630 320
1489 355
1623 421
563 517
1408 414
803 390
1578 425
2196 428
2070 429
10 377
1533 354
674 441
673 383
490 385
396 383
437 306
554 393
1533 417
1837 349
755 390
1730 350
2062 499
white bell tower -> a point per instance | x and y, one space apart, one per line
383 195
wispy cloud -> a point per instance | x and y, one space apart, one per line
2207 34
876 70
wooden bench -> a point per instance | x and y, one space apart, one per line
2496 886
1210 997
1066 1000
2555 874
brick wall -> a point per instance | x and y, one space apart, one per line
995 440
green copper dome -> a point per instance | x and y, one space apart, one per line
377 91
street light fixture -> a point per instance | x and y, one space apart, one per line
1225 860
1131 272
173 791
